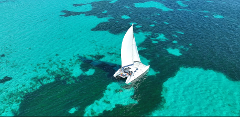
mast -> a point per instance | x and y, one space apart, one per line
133 45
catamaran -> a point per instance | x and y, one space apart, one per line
132 67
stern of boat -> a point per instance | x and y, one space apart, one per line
144 70
116 74
119 75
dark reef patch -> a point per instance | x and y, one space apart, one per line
215 41
56 99
70 13
2 55
5 79
78 5
148 97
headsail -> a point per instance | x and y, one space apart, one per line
126 50
135 51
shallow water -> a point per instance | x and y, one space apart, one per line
58 57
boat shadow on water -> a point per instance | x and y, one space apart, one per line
109 68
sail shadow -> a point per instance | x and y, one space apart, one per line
109 68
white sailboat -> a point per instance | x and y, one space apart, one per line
132 67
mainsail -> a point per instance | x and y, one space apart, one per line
126 50
129 52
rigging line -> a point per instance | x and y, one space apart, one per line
132 45
132 48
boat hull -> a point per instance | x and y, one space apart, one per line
137 75
118 74
142 69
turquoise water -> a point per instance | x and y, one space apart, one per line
58 58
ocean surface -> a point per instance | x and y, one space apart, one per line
58 57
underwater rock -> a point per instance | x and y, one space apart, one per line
3 55
78 5
5 79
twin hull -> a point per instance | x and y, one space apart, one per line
142 69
